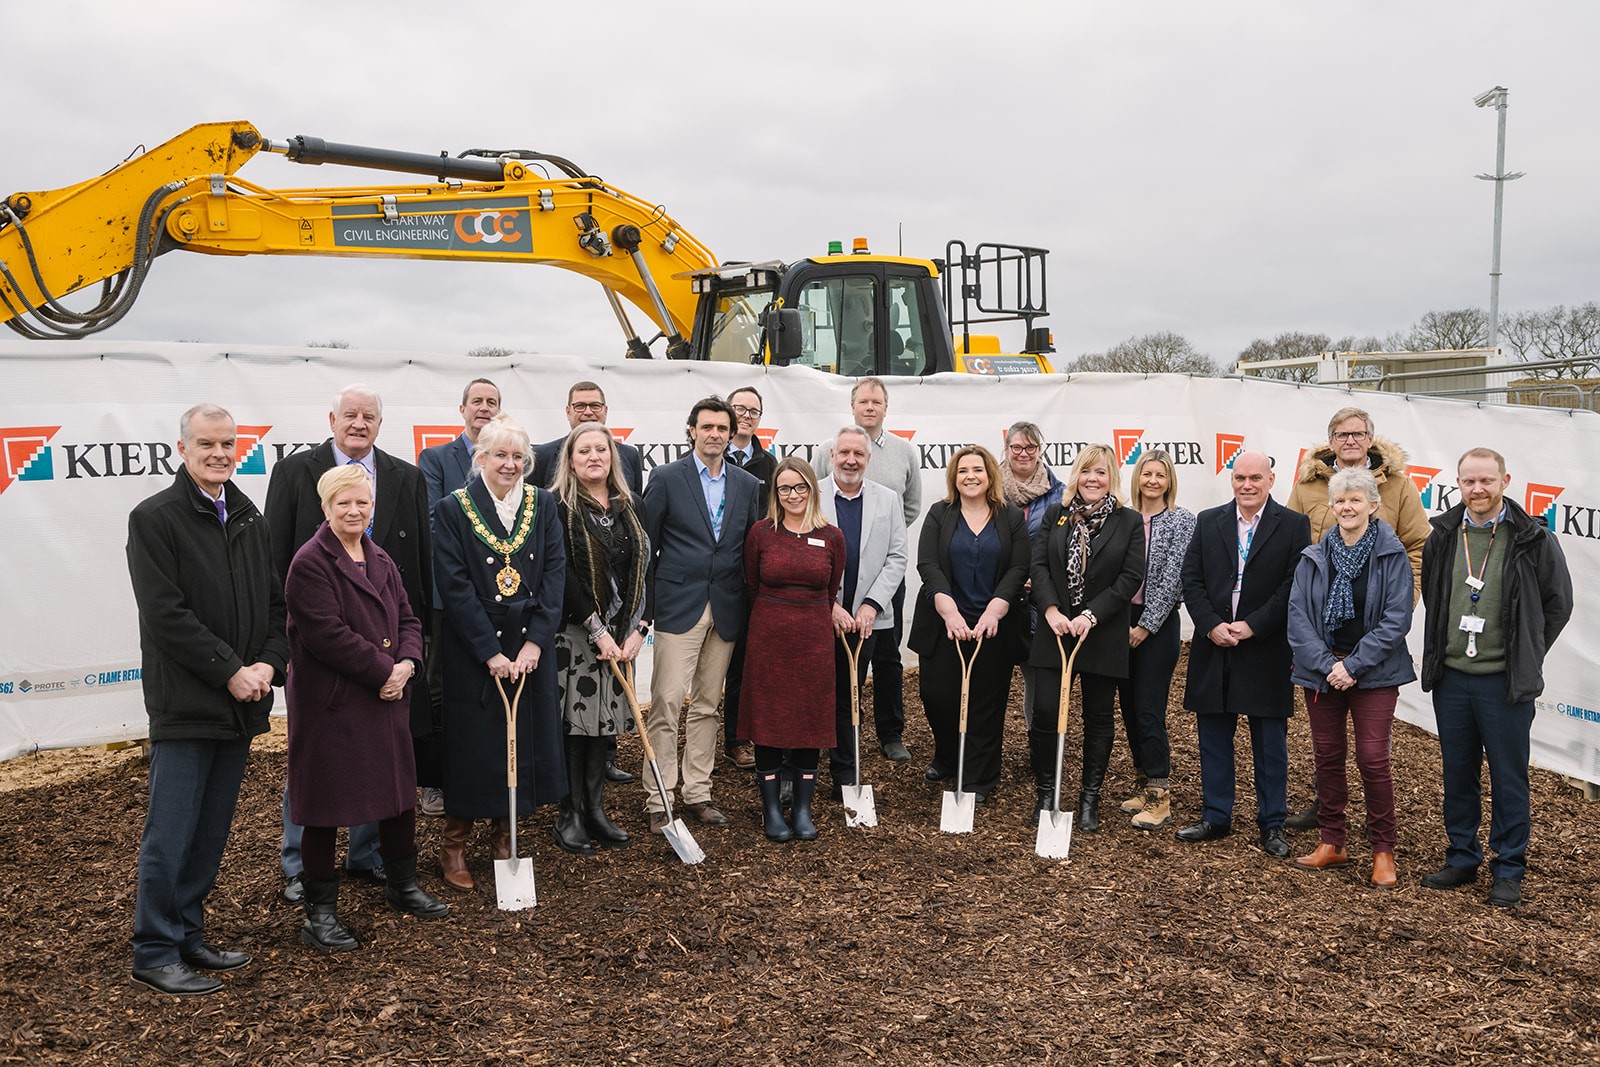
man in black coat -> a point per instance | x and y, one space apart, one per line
1236 579
746 452
211 637
400 528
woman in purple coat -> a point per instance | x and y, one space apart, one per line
354 647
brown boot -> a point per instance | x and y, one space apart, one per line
1322 858
1135 804
500 839
1155 811
453 842
1383 876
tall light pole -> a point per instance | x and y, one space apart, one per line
1496 98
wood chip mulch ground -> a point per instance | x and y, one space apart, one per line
898 944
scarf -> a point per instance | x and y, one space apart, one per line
1084 521
598 540
509 509
1348 561
1024 492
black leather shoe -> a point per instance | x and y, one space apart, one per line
1304 819
1450 877
370 875
1505 893
1203 831
293 891
936 772
204 957
1274 844
896 750
617 774
177 979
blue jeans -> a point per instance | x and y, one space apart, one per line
362 855
1269 748
194 787
1475 722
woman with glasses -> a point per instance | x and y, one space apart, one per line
793 563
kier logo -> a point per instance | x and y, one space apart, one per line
907 434
1540 502
1422 478
24 455
766 436
1126 443
1229 445
247 451
428 436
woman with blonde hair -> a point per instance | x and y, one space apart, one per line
793 563
973 559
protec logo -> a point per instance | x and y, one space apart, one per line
1540 502
1422 478
25 455
1127 445
1229 445
248 454
429 436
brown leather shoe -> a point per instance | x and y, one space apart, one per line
707 814
743 755
453 841
500 839
1322 858
1383 876
658 821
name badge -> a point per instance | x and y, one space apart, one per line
1474 584
817 542
1472 624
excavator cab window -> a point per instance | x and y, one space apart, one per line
736 325
841 317
908 338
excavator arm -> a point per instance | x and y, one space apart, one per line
186 194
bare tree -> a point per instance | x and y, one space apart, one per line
336 342
1444 330
1290 345
1557 332
1151 353
490 352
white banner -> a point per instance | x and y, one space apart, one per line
86 431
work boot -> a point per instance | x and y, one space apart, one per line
1155 809
322 929
1135 804
569 830
1042 757
805 787
500 839
1305 818
771 808
403 891
595 819
453 842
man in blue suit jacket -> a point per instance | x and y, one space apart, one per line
697 511
446 468
586 402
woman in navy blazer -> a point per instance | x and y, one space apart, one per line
354 649
973 560
1087 564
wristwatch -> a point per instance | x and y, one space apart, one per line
1086 613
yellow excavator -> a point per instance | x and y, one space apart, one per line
852 314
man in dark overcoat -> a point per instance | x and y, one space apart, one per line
211 638
400 528
1236 579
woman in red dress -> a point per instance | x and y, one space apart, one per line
793 564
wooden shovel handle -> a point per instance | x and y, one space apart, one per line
852 653
626 681
1066 681
966 677
511 703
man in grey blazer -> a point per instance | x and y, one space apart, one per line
876 555
446 468
697 511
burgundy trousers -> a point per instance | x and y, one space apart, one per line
1371 713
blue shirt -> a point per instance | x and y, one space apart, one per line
974 566
716 491
847 512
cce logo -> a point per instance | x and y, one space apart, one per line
488 227
24 455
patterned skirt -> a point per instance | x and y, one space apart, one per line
592 703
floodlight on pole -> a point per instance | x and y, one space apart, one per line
1496 98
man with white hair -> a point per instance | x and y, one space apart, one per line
400 528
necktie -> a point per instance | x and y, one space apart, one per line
222 510
737 458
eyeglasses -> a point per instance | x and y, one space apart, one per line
1351 435
1024 450
746 413
589 405
792 490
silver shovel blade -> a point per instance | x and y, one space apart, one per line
859 807
955 816
683 842
1054 838
513 884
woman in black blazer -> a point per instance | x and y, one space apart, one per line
1087 564
973 559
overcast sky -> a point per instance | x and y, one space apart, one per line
1227 170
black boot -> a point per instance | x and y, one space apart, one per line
569 830
322 929
805 787
595 819
1042 755
1096 754
403 891
771 808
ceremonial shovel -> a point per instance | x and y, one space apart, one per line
1054 837
677 834
860 809
513 878
955 817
